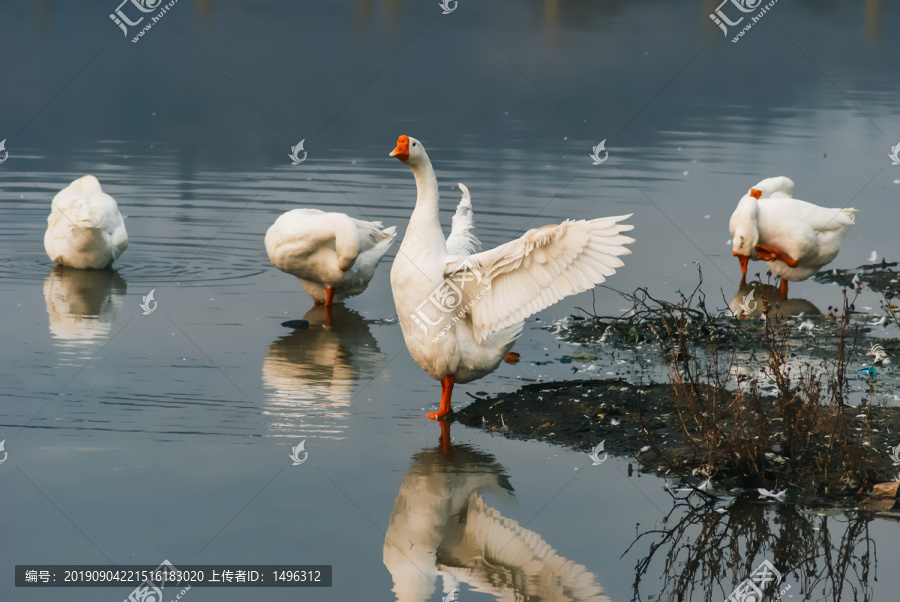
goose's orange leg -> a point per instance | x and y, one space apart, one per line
329 301
446 391
784 289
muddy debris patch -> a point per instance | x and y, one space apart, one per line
880 277
643 422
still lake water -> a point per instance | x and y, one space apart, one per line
132 438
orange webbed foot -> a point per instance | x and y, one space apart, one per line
767 253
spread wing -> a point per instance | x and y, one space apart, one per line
463 240
505 285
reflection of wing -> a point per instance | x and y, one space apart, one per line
496 555
82 304
433 494
312 374
441 526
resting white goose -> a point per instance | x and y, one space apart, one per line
332 254
85 229
794 237
461 311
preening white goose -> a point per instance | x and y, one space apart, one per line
461 311
332 254
85 229
794 237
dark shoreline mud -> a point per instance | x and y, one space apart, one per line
640 422
880 277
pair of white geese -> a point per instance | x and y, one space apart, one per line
461 309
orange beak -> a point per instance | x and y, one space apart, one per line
743 259
755 193
402 150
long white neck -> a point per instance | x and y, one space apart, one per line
745 226
425 224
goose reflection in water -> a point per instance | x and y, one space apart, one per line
313 373
82 305
442 527
752 300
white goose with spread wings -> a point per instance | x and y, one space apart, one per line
460 310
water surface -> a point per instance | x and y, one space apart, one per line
133 438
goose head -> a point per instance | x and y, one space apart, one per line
746 230
410 151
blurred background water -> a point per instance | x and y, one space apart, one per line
134 438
